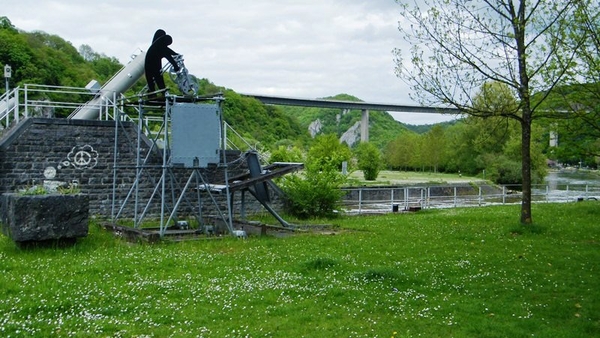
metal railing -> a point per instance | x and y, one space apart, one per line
9 108
391 199
48 101
34 100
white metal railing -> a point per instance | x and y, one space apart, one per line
9 111
388 199
33 100
39 100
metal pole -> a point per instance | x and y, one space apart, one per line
137 161
6 93
219 101
587 191
163 226
181 196
115 159
26 98
224 139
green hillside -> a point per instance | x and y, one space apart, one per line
42 58
382 126
45 59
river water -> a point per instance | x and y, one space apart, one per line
560 178
558 186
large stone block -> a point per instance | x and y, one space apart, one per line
28 218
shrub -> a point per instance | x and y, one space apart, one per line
286 154
327 151
314 193
369 160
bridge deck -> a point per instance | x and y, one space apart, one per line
322 103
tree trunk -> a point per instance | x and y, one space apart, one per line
519 27
526 168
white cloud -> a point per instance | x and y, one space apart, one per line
306 49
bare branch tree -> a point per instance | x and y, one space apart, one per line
459 45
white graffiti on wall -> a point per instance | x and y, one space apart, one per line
81 157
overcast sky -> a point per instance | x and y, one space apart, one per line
303 49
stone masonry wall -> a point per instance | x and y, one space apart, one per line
82 152
73 151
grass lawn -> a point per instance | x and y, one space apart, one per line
464 272
394 177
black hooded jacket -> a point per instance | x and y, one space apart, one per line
158 50
158 34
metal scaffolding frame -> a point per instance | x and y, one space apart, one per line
172 193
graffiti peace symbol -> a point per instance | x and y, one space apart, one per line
82 158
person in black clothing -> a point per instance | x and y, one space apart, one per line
158 34
153 62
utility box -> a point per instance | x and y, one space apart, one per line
195 134
93 86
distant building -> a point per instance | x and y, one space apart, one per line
553 139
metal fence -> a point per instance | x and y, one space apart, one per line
411 198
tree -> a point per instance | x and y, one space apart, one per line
579 98
87 53
6 24
401 152
286 154
327 151
460 150
434 147
369 160
578 142
458 45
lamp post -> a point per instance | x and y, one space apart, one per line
7 75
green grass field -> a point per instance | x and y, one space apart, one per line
465 272
394 177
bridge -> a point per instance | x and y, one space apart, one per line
348 105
